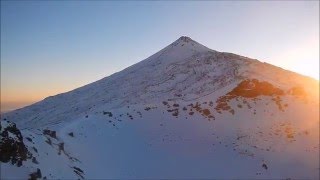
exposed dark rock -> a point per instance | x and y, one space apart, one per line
71 134
210 103
264 166
61 148
12 147
176 112
35 175
48 141
78 171
107 113
34 160
35 149
204 112
175 105
50 133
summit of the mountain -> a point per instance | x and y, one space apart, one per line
185 39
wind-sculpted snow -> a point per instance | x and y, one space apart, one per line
185 112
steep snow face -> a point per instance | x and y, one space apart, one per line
185 112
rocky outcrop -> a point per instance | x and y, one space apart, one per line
12 147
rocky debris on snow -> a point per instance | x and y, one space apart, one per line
35 175
50 133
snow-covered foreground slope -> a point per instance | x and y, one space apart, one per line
185 112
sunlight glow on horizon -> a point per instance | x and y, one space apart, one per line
298 59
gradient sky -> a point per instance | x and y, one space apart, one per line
51 47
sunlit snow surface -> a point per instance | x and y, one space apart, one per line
173 116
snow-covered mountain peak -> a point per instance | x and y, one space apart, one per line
180 50
186 43
185 39
185 112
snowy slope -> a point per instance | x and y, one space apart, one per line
184 112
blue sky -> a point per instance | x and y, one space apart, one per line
50 47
